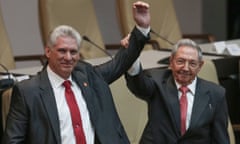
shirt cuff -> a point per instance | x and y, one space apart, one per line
135 69
144 31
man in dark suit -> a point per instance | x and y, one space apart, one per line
40 113
198 115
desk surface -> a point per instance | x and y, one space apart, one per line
209 47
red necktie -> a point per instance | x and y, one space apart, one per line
75 113
183 108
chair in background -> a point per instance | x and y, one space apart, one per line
6 99
79 14
132 111
6 55
163 21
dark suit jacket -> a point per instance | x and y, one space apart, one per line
209 118
33 116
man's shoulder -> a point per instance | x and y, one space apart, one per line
207 82
212 86
84 69
31 82
81 65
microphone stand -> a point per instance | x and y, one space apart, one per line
97 46
162 37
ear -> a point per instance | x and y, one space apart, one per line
171 61
47 51
200 65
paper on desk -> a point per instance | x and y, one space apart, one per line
219 47
232 49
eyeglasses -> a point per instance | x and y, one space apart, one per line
193 64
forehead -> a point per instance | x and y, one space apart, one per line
64 41
187 52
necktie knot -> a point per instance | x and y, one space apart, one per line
184 89
67 84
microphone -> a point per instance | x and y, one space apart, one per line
97 46
162 37
6 83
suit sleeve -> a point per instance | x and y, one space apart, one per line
142 85
220 123
16 126
125 57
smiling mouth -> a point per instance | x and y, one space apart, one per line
183 74
67 64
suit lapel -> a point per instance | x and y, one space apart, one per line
48 99
201 101
170 96
88 93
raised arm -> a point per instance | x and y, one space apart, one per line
142 18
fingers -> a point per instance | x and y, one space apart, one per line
140 5
125 41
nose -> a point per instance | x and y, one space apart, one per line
186 66
67 56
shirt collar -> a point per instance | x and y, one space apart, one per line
191 87
55 79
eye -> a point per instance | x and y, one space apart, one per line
193 64
74 52
180 61
62 50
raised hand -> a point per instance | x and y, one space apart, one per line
141 14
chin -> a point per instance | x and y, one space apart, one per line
67 70
183 81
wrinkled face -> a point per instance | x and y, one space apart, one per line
185 65
63 56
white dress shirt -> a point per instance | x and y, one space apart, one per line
190 99
66 129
